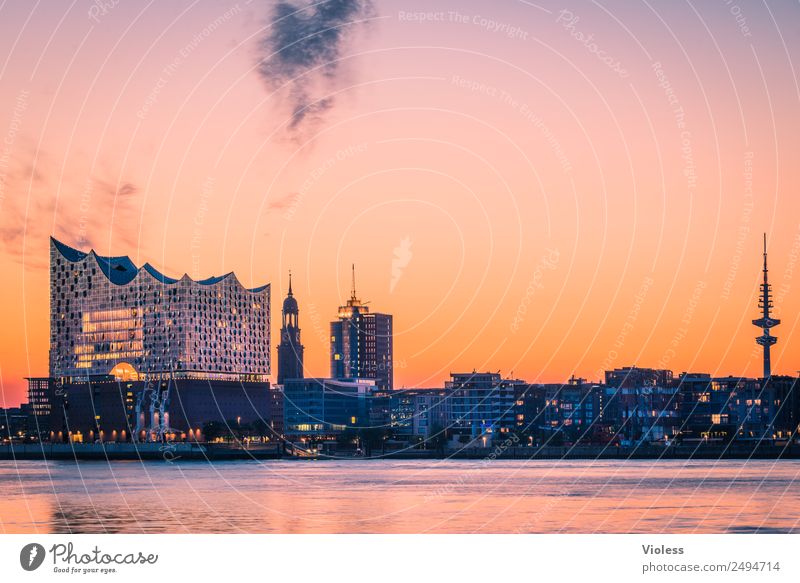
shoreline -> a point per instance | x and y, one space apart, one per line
222 452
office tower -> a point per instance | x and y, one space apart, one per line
361 343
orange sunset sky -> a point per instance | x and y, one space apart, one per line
526 189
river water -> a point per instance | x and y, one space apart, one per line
383 496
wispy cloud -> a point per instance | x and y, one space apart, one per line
283 202
302 46
82 214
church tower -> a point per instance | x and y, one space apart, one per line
290 350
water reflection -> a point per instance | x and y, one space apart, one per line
400 497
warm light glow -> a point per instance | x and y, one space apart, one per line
516 205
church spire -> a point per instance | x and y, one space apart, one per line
290 350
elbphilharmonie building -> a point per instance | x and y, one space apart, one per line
137 355
110 317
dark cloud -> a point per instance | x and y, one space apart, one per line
127 189
302 47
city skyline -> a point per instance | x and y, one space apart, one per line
120 274
139 356
513 201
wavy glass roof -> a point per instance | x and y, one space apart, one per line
121 270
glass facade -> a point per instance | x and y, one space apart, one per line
318 406
109 317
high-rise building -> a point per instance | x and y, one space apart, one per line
290 350
108 316
361 343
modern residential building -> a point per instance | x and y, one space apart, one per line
430 414
634 377
749 407
529 406
704 408
290 350
784 391
480 405
571 410
641 404
745 409
361 343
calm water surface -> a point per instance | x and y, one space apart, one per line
372 496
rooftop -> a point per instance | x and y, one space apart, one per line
121 270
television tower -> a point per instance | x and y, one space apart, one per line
766 322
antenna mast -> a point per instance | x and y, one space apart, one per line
766 340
